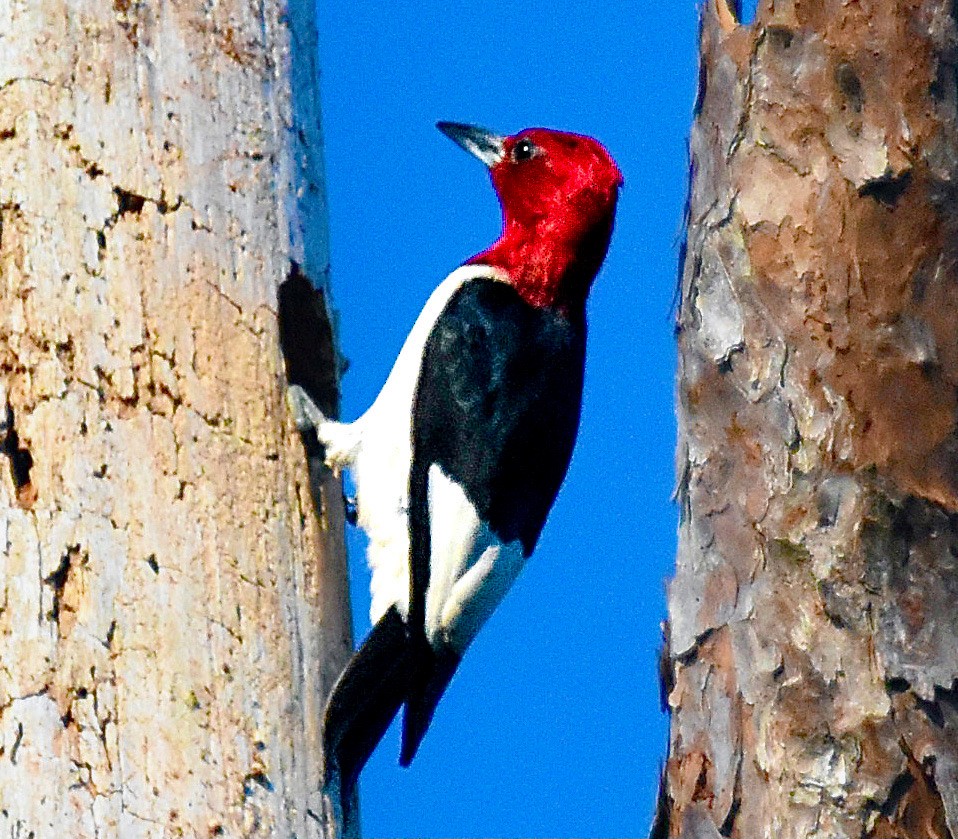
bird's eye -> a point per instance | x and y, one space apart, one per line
524 150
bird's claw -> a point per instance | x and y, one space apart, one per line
306 414
352 510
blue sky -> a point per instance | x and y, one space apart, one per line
552 727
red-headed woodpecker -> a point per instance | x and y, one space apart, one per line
460 458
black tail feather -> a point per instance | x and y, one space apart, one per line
434 670
389 669
364 701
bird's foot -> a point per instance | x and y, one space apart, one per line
306 413
352 510
340 441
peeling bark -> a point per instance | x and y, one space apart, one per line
813 652
172 611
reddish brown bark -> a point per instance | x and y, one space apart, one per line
814 636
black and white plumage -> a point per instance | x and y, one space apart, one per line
494 410
460 458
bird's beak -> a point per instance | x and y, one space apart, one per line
485 145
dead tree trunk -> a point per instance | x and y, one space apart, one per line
172 613
813 651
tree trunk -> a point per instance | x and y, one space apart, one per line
813 653
172 612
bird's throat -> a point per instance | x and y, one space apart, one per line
549 266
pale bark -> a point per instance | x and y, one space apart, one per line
813 650
172 612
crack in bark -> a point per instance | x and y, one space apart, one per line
57 580
741 128
914 806
21 79
129 202
888 189
16 744
850 85
21 461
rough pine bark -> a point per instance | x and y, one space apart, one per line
813 650
172 612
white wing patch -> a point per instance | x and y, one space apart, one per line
377 448
471 569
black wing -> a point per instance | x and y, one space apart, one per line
498 402
497 408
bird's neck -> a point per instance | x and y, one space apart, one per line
550 265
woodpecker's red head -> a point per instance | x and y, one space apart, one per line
558 193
